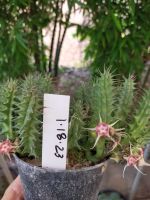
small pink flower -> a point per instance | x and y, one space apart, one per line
133 160
6 147
102 129
107 131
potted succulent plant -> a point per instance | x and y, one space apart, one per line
106 121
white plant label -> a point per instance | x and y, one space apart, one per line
55 131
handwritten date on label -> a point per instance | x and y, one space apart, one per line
60 136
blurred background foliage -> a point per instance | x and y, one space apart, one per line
117 31
21 45
22 48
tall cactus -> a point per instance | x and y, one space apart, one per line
21 109
8 108
124 100
27 121
139 127
102 97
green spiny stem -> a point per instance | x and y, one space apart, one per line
8 101
125 99
102 105
42 83
141 118
27 122
30 135
100 149
21 104
76 125
102 98
99 154
25 111
91 157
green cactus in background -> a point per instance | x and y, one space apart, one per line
21 110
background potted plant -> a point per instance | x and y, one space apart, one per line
105 121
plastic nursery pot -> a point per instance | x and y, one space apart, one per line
46 184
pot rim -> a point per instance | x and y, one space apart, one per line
59 170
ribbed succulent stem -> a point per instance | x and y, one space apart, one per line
30 110
102 98
139 126
76 125
21 111
7 108
125 99
99 152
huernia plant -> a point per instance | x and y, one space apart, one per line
110 122
21 107
106 119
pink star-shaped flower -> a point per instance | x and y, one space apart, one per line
133 160
6 147
102 129
105 130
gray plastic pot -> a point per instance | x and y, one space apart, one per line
45 184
